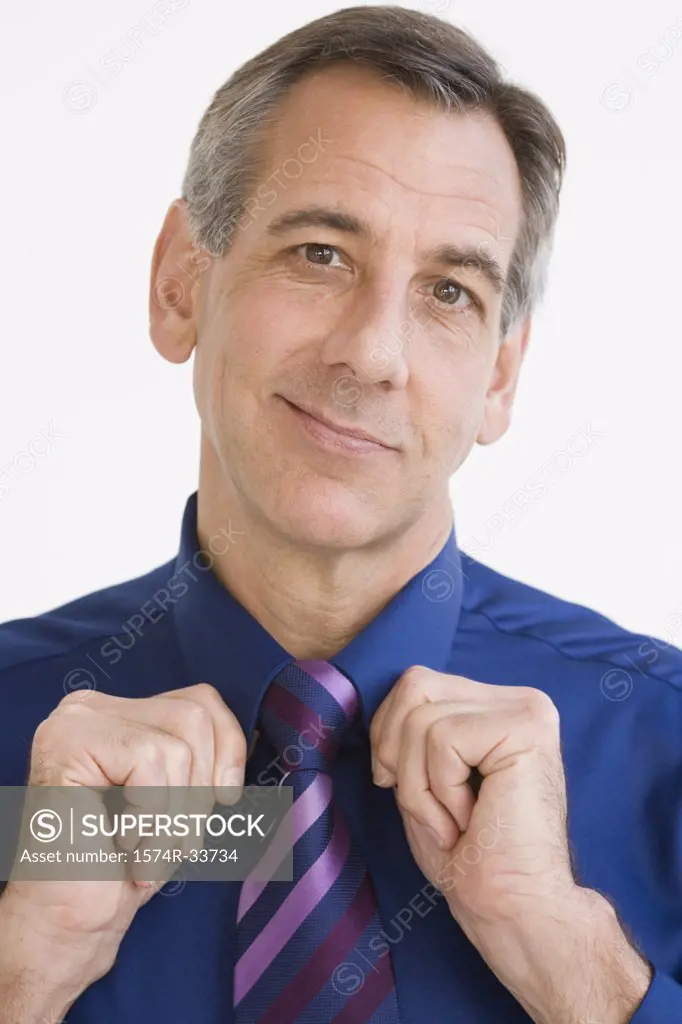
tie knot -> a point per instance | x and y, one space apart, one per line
305 713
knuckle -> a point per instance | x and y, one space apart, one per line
415 723
43 741
73 704
44 732
539 708
73 699
149 752
440 732
382 751
180 753
409 801
412 681
194 717
376 729
54 729
208 691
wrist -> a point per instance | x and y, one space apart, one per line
43 969
571 960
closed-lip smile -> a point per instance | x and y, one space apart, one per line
347 431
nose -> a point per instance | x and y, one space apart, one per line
371 336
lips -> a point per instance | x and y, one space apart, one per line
347 431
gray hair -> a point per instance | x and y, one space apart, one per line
430 58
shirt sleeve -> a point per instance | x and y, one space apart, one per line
662 1003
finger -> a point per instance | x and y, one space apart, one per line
84 747
198 715
449 775
423 686
376 728
178 715
418 685
184 719
230 743
414 792
387 751
186 715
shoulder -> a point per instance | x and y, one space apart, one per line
524 622
35 643
80 645
619 697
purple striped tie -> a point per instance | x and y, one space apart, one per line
310 950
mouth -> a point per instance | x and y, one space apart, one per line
333 435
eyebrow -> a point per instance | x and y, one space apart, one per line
464 256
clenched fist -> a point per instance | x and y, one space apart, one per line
57 938
501 854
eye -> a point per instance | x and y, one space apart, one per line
448 292
319 254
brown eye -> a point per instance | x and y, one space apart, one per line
316 253
448 291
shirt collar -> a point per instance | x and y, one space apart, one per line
223 644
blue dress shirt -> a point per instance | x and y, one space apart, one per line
619 695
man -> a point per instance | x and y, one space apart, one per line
488 830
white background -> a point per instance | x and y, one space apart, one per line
87 174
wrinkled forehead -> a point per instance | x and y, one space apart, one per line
343 127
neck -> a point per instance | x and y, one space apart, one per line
312 600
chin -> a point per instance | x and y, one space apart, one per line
326 514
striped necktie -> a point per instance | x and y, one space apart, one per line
305 953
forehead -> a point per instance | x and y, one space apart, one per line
405 161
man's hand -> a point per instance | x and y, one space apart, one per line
56 938
502 858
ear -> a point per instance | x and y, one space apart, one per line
174 287
500 395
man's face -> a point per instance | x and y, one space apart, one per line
359 319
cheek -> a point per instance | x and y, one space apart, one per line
230 350
221 374
239 359
267 323
452 409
